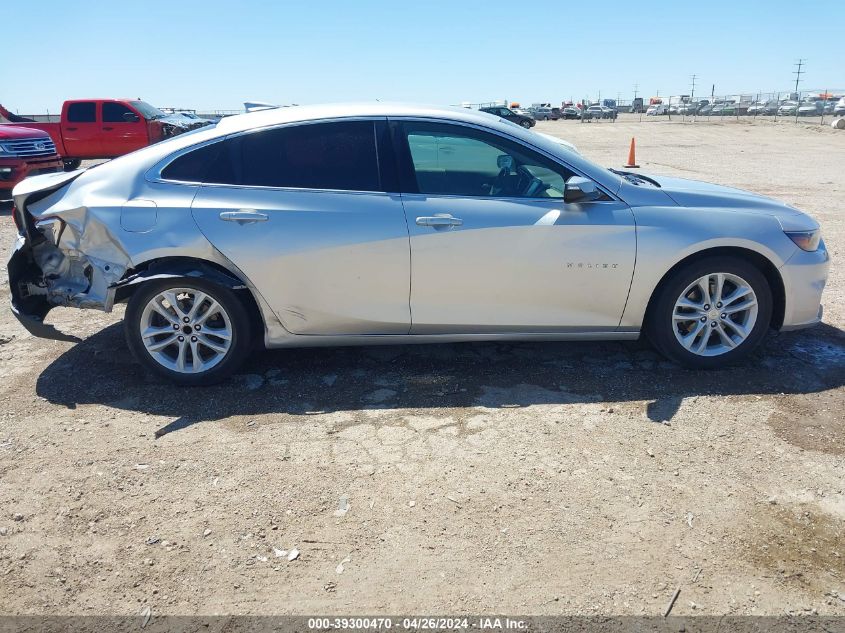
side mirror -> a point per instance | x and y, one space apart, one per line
130 117
580 189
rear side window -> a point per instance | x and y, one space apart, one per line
113 112
338 155
82 112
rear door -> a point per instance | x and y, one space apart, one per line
81 130
123 129
494 247
305 212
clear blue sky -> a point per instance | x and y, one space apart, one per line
216 54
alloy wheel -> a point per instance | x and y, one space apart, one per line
185 330
715 314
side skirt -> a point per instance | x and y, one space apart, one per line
405 339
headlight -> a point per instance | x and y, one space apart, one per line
805 240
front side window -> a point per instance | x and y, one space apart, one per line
331 155
458 160
114 112
82 112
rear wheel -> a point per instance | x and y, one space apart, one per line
526 125
187 330
711 313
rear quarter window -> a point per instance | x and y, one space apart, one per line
210 163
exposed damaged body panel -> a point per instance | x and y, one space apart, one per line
87 242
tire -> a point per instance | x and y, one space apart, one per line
216 358
71 164
526 125
731 338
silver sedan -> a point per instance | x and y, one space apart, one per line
367 224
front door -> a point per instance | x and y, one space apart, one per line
302 211
494 248
124 130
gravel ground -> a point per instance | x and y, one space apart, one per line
589 478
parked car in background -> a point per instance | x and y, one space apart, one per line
595 112
570 113
763 108
194 120
218 243
105 128
25 152
507 114
810 108
609 113
657 109
788 108
705 109
556 114
724 108
839 108
540 113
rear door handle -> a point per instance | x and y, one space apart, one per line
441 219
244 216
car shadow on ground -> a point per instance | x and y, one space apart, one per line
100 370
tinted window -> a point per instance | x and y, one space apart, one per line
113 112
316 156
457 160
83 112
206 164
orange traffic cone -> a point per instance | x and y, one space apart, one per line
632 155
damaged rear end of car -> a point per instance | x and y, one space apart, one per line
62 255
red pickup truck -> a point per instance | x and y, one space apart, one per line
104 128
24 152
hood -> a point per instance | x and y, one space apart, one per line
8 132
695 193
704 195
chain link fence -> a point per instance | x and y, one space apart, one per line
820 106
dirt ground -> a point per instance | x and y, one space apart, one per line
591 478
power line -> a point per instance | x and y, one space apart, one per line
692 92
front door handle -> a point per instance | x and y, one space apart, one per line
441 219
244 216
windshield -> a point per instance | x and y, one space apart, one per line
147 111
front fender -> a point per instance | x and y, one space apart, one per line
669 235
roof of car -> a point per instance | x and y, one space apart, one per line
275 116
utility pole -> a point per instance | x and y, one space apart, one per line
692 98
636 87
798 72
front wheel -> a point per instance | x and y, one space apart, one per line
711 313
187 330
526 125
71 164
